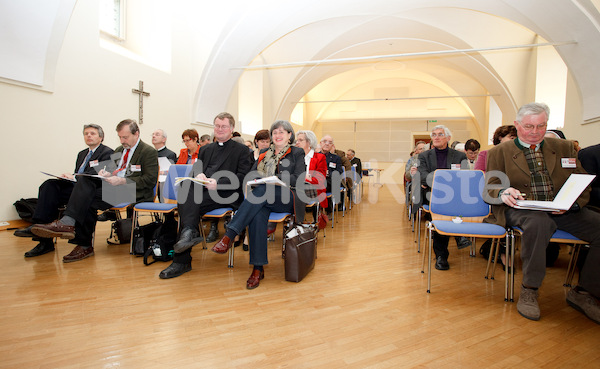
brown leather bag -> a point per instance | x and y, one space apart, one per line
300 251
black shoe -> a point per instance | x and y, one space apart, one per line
175 270
188 238
213 235
44 247
462 242
441 263
24 232
107 215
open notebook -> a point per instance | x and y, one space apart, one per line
564 199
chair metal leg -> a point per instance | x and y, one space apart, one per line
425 250
571 267
493 249
430 253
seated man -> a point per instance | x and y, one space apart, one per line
334 171
159 140
538 167
354 161
472 147
138 164
223 164
440 157
54 193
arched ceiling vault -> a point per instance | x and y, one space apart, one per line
381 28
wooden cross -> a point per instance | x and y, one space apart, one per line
141 93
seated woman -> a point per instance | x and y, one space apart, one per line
189 155
316 171
287 163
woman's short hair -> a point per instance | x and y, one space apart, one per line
472 144
502 132
191 133
286 126
311 138
96 127
263 134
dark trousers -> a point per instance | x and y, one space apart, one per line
193 201
255 216
52 194
83 206
538 227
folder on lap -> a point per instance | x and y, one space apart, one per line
564 199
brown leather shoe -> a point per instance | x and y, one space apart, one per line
54 229
78 253
223 245
254 279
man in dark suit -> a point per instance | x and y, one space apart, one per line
134 179
334 171
54 193
538 167
440 157
159 140
590 161
354 161
223 165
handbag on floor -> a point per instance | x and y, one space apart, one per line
120 232
300 251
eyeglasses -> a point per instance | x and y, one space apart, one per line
531 127
224 126
186 140
438 135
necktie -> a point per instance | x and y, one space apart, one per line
533 147
124 164
85 162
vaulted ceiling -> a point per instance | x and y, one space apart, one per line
455 52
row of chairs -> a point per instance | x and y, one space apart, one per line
457 208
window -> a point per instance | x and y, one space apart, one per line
112 18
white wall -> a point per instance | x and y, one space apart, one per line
43 130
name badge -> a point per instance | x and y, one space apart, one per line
136 168
94 163
568 162
455 166
332 165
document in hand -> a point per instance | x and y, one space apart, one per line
564 199
59 177
178 180
271 179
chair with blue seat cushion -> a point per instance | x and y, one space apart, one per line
457 194
157 209
559 236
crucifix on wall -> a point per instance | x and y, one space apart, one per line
141 94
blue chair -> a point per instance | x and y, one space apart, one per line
458 194
157 209
559 236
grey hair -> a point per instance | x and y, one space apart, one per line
97 127
446 130
310 137
285 125
532 109
164 134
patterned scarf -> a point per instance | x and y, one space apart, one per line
268 165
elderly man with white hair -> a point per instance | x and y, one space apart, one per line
440 157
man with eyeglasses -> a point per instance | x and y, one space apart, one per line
538 167
440 157
222 165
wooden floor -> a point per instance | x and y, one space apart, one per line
363 306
